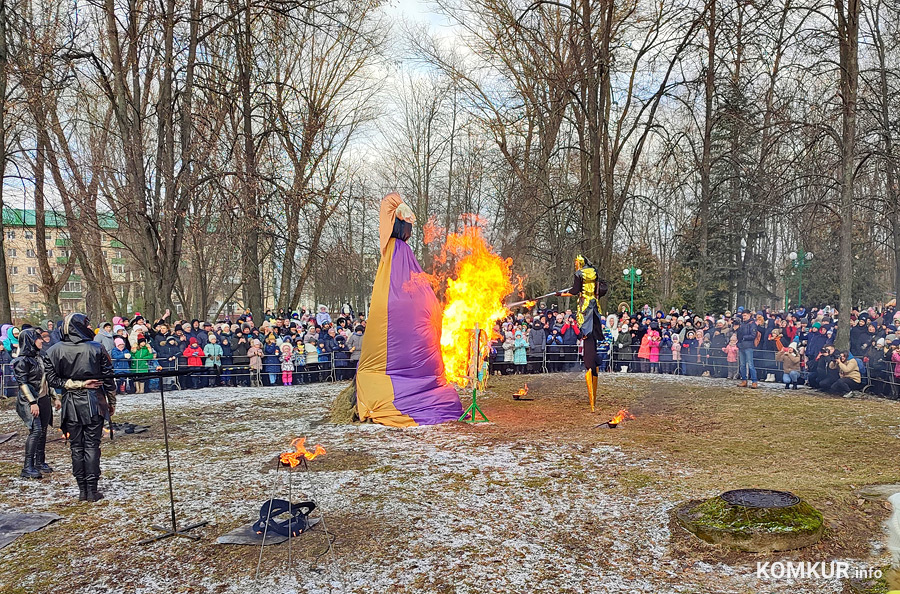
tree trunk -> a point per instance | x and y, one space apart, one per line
250 273
848 38
5 304
706 165
50 287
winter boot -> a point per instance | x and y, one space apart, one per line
28 470
39 462
82 490
92 493
794 386
743 384
754 385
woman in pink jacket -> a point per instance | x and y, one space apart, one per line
653 341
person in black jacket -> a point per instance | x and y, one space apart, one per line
33 403
74 365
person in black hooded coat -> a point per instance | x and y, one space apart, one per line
74 365
33 402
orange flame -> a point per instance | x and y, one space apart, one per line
474 296
522 391
300 452
621 416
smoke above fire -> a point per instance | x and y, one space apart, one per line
475 282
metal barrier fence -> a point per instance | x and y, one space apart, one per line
553 359
708 364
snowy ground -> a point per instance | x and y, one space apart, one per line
452 508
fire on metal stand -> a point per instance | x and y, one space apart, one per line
477 374
298 520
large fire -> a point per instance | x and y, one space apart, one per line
474 297
294 458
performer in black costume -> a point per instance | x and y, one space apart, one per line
33 403
589 288
85 402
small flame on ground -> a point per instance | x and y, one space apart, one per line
300 451
522 391
621 416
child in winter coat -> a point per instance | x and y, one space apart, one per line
731 355
140 356
255 354
311 354
676 355
287 364
120 361
194 355
213 352
227 359
653 341
519 357
509 352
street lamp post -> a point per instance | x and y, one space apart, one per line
632 275
800 260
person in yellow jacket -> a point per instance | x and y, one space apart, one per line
789 357
851 378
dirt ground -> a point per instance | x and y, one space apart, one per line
537 500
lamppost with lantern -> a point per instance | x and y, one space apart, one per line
800 260
632 275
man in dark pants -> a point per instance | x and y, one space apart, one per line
747 343
70 364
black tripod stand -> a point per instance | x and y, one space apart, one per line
172 530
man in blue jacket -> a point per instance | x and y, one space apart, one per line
746 336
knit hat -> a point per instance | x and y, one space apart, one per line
119 341
816 325
193 341
880 342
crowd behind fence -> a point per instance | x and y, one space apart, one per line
561 358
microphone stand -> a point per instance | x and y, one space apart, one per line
173 530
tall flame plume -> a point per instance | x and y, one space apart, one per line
475 292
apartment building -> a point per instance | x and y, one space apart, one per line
22 263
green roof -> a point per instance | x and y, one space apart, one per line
24 217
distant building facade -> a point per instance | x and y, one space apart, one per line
22 262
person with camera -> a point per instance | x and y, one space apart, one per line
850 377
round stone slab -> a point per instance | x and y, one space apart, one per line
753 520
760 498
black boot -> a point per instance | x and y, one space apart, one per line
39 462
92 493
28 470
82 490
794 386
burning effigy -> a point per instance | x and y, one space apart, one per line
400 380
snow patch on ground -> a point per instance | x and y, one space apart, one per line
472 516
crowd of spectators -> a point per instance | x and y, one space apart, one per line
794 347
284 348
287 348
